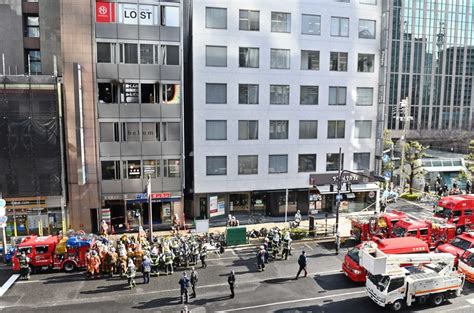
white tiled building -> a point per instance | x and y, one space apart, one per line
278 87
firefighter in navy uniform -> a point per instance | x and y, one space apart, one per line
155 262
25 270
169 257
286 246
203 256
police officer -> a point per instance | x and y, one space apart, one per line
203 256
25 269
194 277
231 281
184 283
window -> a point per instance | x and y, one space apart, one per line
279 129
151 131
249 20
169 16
216 130
172 168
171 93
248 94
308 130
129 53
129 93
152 168
248 130
105 52
336 129
306 163
148 54
131 131
395 283
361 161
216 93
149 93
110 170
280 59
339 26
32 26
279 94
216 18
41 249
35 61
368 2
338 61
248 164
363 129
366 29
169 55
171 131
216 56
132 169
310 60
332 161
467 212
365 96
365 63
423 231
337 95
281 22
249 57
109 132
216 165
107 92
311 24
309 95
278 164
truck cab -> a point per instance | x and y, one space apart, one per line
40 250
457 210
430 231
354 271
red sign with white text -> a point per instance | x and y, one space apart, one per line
162 195
105 12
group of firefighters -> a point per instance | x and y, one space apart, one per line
130 254
276 243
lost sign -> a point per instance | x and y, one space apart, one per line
134 14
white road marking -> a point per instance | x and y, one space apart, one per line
458 308
413 216
308 246
295 301
8 284
471 301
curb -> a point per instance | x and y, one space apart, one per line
304 240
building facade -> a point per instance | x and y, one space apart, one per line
429 62
277 90
138 82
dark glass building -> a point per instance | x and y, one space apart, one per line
430 57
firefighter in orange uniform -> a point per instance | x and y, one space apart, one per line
95 265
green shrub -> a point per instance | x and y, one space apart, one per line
411 196
298 233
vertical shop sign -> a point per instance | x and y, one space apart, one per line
213 206
105 12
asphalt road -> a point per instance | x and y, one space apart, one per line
415 210
325 289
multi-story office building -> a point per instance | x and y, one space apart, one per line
138 102
430 62
278 88
32 179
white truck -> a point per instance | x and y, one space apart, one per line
398 280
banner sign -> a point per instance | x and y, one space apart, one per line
105 12
162 195
138 14
213 206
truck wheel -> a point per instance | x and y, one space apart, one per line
459 230
69 267
397 306
437 299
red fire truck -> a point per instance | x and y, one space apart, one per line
405 245
365 227
43 255
434 231
457 210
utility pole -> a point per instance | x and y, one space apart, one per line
406 118
338 200
150 209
